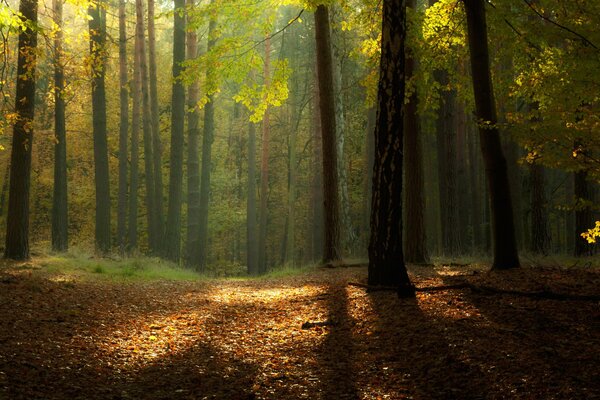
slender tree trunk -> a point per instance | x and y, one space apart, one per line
540 237
173 230
317 178
251 239
132 230
207 141
331 251
264 171
476 190
583 214
4 188
123 130
505 247
60 239
17 222
415 242
151 213
156 142
97 27
368 176
193 168
386 259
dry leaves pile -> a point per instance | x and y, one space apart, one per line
311 336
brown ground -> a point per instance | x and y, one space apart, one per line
249 339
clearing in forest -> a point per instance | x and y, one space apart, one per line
307 336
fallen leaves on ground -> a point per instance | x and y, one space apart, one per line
312 336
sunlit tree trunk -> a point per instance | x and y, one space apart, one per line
17 222
60 239
503 231
156 142
251 231
172 240
123 130
264 171
317 211
207 141
193 168
132 224
97 27
331 250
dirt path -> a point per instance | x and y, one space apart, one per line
311 337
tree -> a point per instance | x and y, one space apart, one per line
172 240
503 231
17 222
415 245
331 251
60 238
251 242
97 27
123 130
386 258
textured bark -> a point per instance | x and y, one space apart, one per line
123 131
207 141
97 27
503 231
476 190
386 259
193 161
331 250
132 228
251 232
151 213
172 241
17 221
540 237
156 142
264 172
60 238
415 242
317 177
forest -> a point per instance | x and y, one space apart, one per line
273 199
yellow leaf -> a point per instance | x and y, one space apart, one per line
152 337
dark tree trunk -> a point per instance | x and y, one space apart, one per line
264 171
60 238
475 191
386 259
583 214
368 176
17 222
156 142
331 250
151 213
193 168
172 240
317 178
540 238
207 141
97 27
123 130
415 241
503 230
251 239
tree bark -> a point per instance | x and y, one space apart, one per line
251 239
172 240
386 259
17 221
317 211
503 230
97 27
60 238
132 229
331 250
415 243
540 237
123 131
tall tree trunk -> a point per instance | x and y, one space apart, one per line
173 230
368 176
386 259
60 239
207 141
476 190
317 211
331 250
132 229
193 168
156 142
415 242
97 27
17 222
264 171
583 214
123 130
505 247
151 213
540 237
251 239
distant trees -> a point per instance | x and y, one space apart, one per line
17 223
123 130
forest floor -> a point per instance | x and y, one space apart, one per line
308 336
